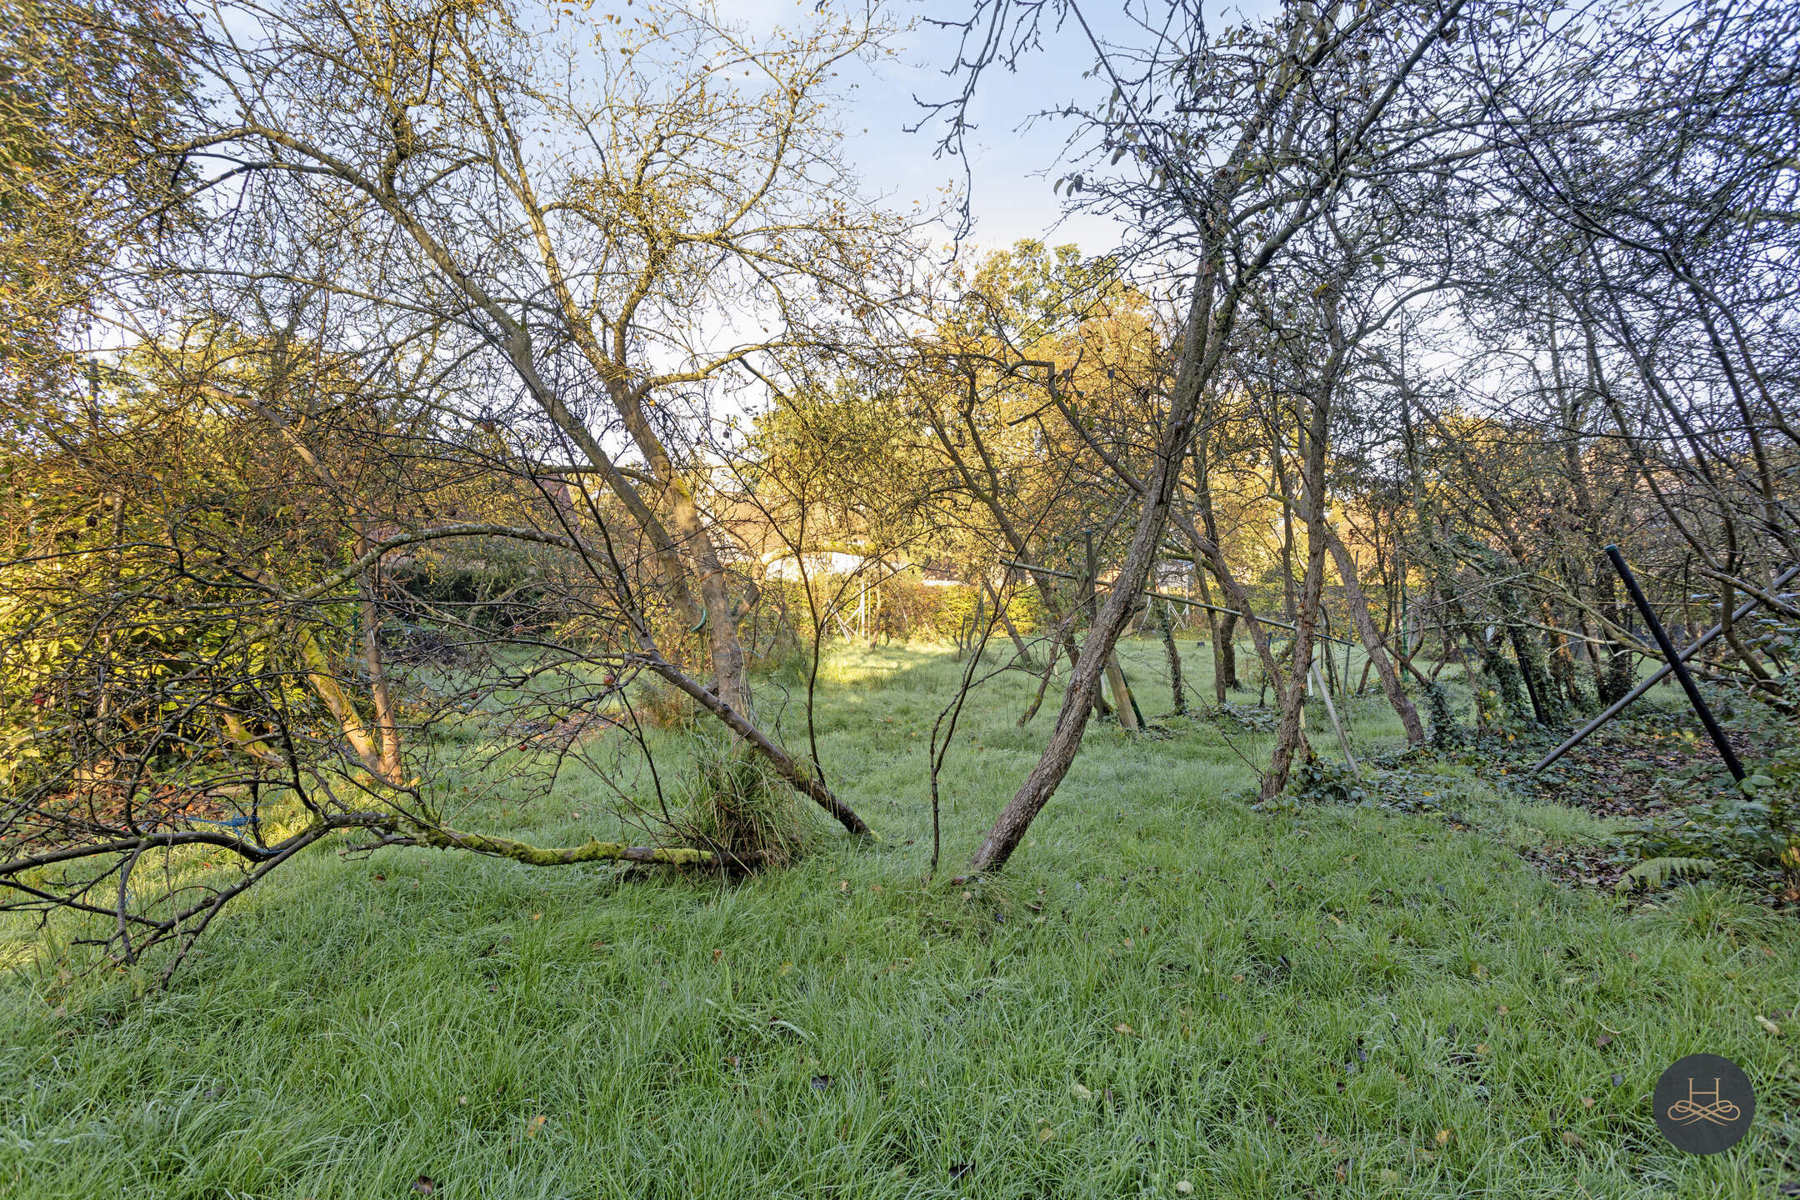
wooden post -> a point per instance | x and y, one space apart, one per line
1331 711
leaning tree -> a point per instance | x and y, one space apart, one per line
1220 150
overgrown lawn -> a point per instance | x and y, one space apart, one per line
1167 993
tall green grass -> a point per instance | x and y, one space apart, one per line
1166 988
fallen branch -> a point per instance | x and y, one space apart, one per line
445 838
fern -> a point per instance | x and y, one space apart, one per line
1652 873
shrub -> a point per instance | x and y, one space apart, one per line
1749 836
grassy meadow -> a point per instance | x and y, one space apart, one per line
1167 993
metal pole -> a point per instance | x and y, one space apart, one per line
1675 662
1618 706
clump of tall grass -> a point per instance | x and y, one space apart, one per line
733 803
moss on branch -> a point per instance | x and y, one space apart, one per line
557 856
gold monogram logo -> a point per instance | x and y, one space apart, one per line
1704 1106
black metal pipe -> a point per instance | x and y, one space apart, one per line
1620 705
1675 660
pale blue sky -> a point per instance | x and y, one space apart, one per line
1013 166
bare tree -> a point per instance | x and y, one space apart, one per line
592 240
1268 125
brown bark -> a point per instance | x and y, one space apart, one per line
1371 640
1198 358
1166 627
1289 733
1224 628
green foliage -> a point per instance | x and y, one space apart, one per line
1653 873
1250 717
1446 732
1508 683
1401 787
499 591
1750 835
951 610
1317 781
912 610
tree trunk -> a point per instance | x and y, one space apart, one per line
1315 452
1177 689
1225 657
1372 643
1200 356
1224 629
